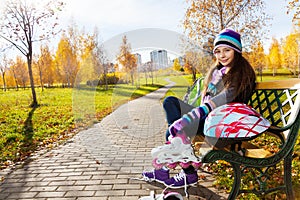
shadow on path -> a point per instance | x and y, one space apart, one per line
199 192
28 132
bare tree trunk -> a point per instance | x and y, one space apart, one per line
105 77
41 81
152 76
131 76
16 80
34 103
194 73
4 82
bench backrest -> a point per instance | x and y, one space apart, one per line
193 94
278 101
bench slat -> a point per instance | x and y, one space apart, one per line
257 153
282 84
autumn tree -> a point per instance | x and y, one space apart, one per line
274 56
132 67
176 65
127 59
20 73
150 67
44 66
192 60
66 61
290 56
3 69
23 23
87 70
93 59
294 7
205 63
257 57
9 77
13 73
205 19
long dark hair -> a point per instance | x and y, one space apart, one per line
240 76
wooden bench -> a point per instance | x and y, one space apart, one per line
279 102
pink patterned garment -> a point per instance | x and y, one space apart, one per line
235 120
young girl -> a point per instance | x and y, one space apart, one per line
232 79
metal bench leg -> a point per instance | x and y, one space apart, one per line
237 182
288 176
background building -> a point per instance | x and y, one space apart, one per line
138 59
159 58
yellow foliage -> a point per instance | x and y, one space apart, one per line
257 57
19 72
176 65
205 19
127 59
275 55
44 67
290 55
66 61
294 6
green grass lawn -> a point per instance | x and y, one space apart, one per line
61 114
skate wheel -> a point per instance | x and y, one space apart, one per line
196 165
172 165
157 165
185 165
172 195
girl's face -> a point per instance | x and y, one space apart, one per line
224 55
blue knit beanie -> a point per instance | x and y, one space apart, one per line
228 38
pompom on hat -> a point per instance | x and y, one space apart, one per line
228 38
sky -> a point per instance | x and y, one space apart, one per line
114 18
147 22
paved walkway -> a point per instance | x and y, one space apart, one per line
99 163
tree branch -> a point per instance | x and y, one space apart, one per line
23 51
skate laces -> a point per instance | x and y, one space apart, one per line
178 177
146 178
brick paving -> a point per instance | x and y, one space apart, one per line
100 162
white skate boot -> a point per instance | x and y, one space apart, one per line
177 151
